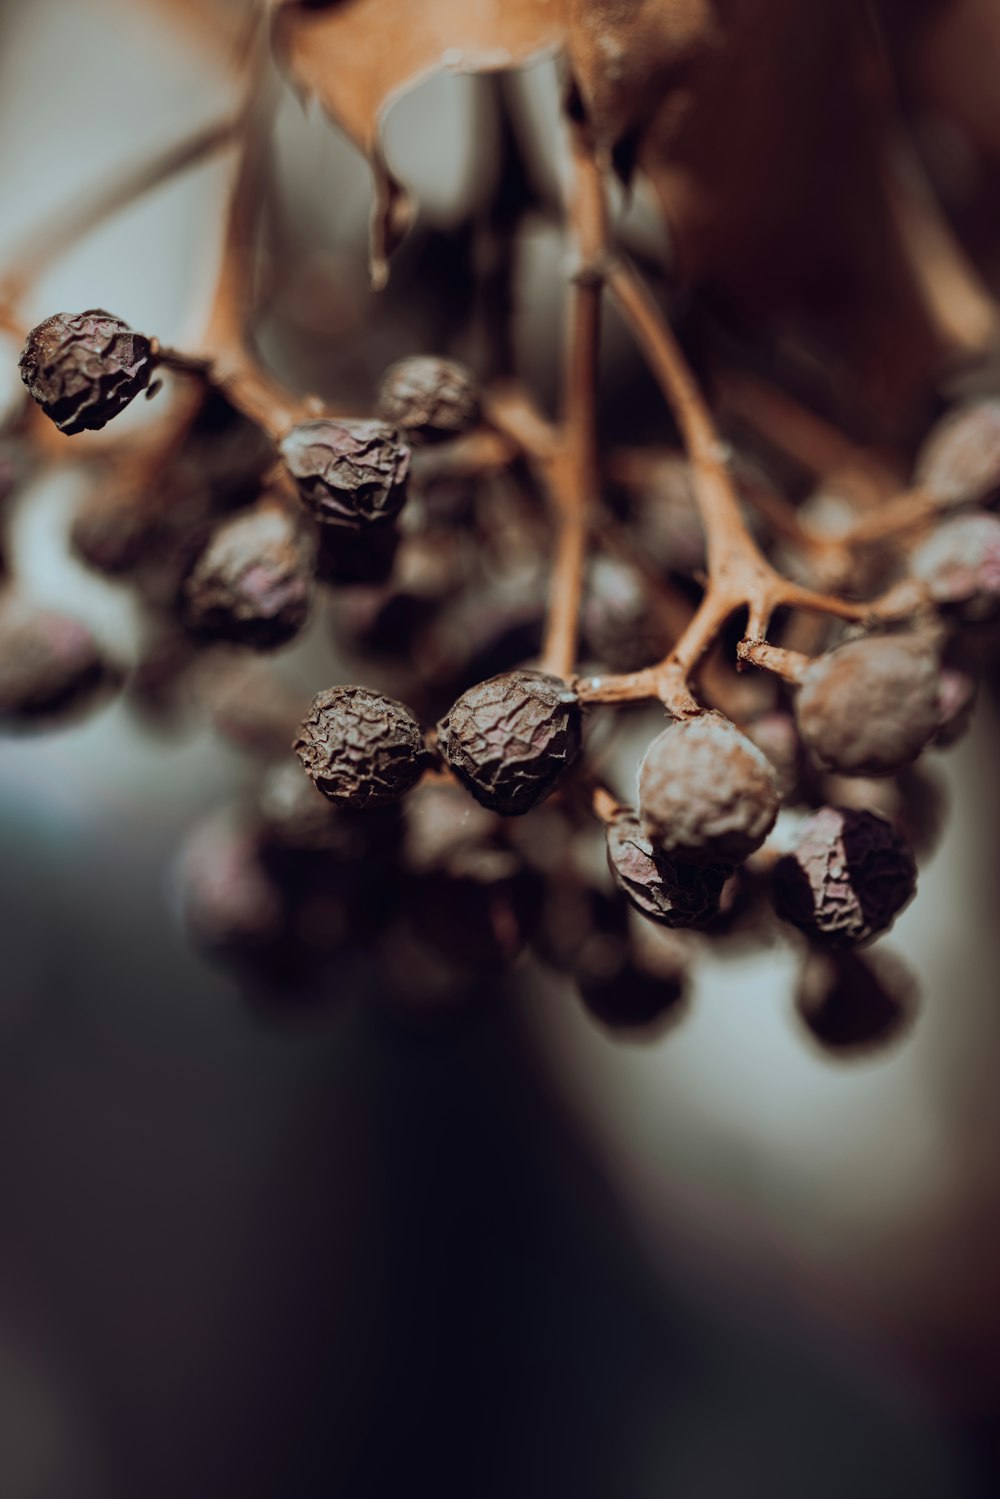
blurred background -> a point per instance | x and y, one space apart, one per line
346 1253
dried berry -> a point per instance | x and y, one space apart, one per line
50 665
511 738
359 748
348 557
870 706
847 877
852 1002
230 902
252 584
960 458
249 705
666 890
960 564
429 398
706 794
348 473
83 368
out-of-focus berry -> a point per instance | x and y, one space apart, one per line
429 398
852 1002
960 564
960 458
706 794
253 582
870 706
50 665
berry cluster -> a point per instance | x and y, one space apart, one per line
506 604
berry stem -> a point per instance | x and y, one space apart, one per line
573 469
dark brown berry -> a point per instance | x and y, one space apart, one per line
231 904
852 1002
511 738
960 458
429 398
253 582
366 557
359 748
706 794
870 706
348 473
295 817
50 665
960 564
847 877
83 368
777 737
621 624
668 891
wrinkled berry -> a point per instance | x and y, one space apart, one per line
359 748
253 582
666 890
870 706
83 368
511 738
706 794
960 564
429 398
847 877
348 473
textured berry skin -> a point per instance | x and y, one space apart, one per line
868 707
511 738
847 878
960 564
706 794
429 398
667 891
348 473
960 458
359 748
83 368
253 582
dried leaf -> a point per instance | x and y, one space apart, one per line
357 56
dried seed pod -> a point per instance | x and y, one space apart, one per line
359 748
511 738
348 473
253 582
869 706
847 877
248 704
666 890
50 665
853 1002
706 794
960 564
83 368
960 458
429 398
